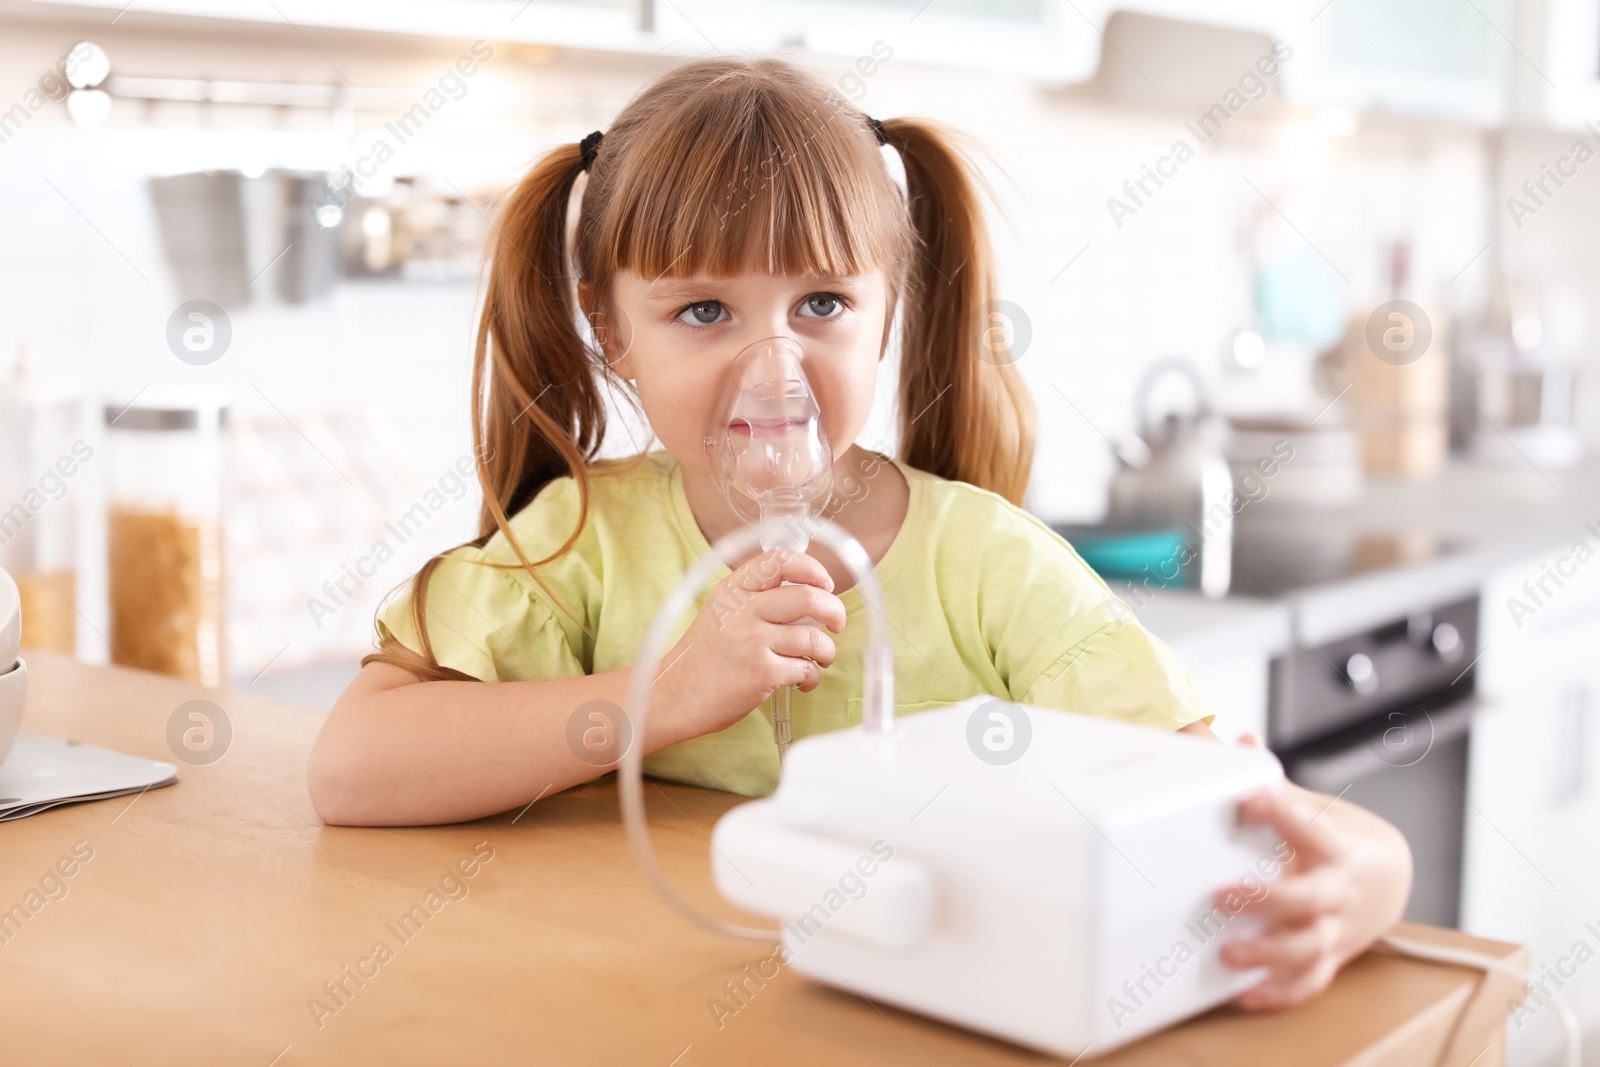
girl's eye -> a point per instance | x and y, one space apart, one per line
822 306
705 313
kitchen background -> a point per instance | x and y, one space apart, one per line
1207 212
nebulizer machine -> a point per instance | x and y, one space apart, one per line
1042 876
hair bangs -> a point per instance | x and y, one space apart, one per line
763 178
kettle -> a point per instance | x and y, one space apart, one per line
1175 475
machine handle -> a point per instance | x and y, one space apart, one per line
809 882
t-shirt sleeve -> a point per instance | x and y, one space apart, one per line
1062 639
483 622
489 619
1121 671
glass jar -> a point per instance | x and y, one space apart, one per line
42 452
164 534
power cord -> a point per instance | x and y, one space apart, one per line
1467 958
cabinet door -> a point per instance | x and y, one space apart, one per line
1532 865
1235 691
1563 80
1050 40
1432 58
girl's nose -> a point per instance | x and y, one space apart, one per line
769 322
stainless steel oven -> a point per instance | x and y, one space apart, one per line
1383 718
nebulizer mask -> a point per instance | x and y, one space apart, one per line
770 457
766 445
999 866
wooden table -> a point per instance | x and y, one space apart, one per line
215 916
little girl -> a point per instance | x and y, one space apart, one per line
732 201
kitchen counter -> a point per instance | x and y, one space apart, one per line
218 920
1228 645
1422 545
1487 517
1484 517
1512 508
1200 629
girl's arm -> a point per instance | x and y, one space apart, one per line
399 751
1345 886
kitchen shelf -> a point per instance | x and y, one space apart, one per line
575 25
1054 41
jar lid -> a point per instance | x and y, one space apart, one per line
171 407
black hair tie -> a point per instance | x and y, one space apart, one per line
877 130
588 148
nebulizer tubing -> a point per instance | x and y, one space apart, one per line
793 524
877 714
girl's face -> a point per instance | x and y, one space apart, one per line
676 337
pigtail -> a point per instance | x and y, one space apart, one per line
538 408
962 417
541 412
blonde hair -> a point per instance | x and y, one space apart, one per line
723 166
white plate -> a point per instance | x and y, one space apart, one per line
44 772
13 696
10 622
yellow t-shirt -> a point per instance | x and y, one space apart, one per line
982 598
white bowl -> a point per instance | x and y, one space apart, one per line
10 621
13 694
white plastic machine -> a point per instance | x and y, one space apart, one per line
1042 876
1063 901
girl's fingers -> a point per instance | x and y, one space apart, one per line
790 603
803 674
802 642
803 570
1286 952
771 569
1279 993
1314 842
1297 899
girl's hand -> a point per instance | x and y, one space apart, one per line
1345 882
1314 912
740 648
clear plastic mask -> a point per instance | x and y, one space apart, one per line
769 453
